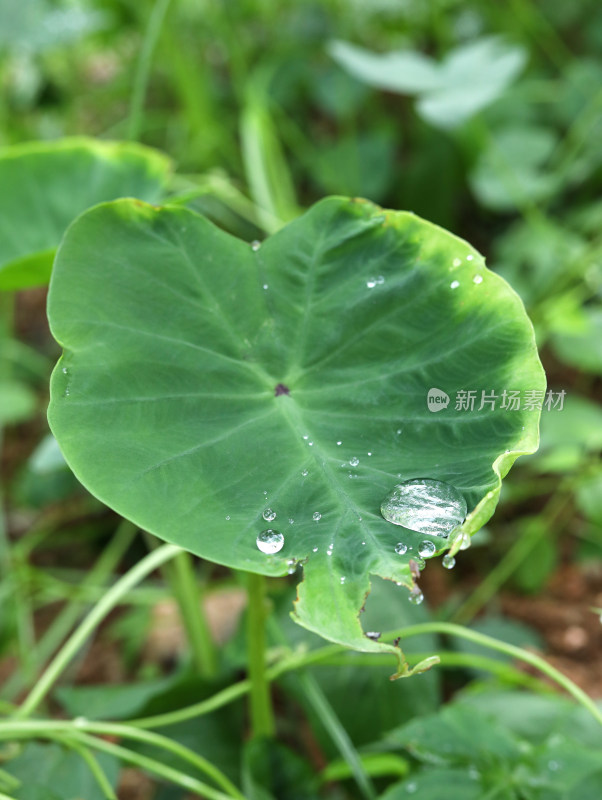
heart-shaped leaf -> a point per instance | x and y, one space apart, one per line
210 390
47 184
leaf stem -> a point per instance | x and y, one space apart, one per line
141 78
262 715
510 649
188 596
74 730
89 623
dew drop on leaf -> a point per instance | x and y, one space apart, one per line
416 596
305 473
449 562
269 515
454 284
426 549
255 245
425 505
270 541
401 548
477 279
317 516
354 461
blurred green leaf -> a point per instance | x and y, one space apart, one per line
583 347
51 183
17 402
511 172
430 785
272 771
469 78
50 772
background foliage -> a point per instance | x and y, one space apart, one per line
484 118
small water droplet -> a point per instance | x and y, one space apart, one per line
291 521
477 279
425 505
454 284
401 548
339 444
255 245
371 283
374 635
426 549
314 550
420 563
270 541
353 474
449 562
342 579
363 543
311 444
469 258
354 461
457 262
465 542
416 597
306 437
265 286
305 473
398 431
65 370
380 280
227 516
369 454
67 392
269 515
316 516
553 765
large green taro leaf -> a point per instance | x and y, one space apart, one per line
45 185
204 381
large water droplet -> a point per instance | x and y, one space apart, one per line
449 562
269 515
401 548
426 506
270 541
426 549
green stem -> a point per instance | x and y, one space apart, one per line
188 596
87 626
322 655
65 620
502 647
93 765
339 735
77 731
262 715
143 67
